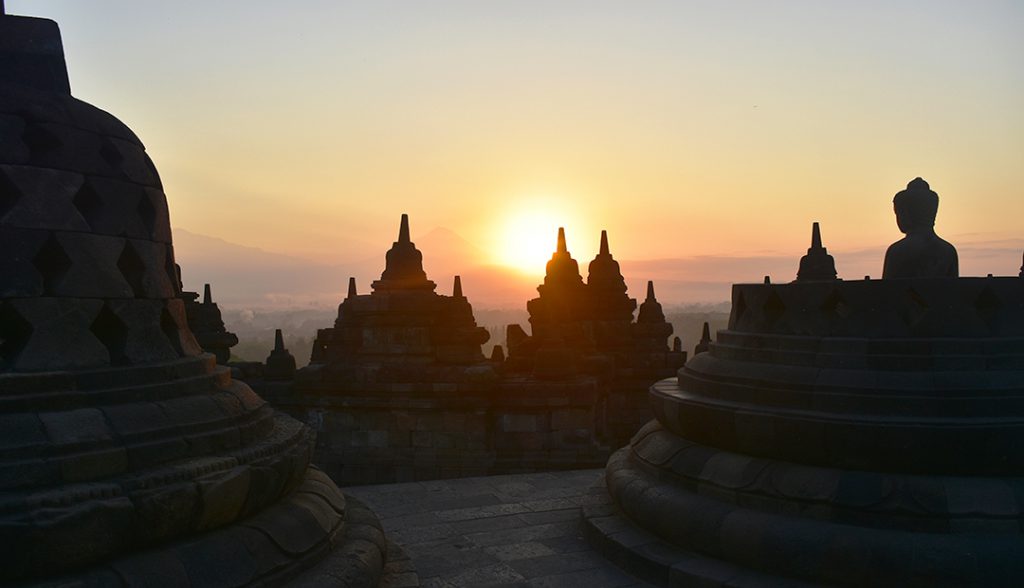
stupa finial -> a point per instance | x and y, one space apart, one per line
207 296
817 264
457 288
604 243
403 230
352 288
650 290
1022 267
561 248
278 340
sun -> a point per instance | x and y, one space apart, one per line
528 239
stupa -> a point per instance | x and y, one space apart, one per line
854 433
206 323
127 456
403 324
404 356
584 337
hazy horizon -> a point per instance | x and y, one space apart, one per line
687 129
249 277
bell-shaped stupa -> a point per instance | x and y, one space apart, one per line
126 454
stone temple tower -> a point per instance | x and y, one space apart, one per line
126 454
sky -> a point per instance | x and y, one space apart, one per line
684 128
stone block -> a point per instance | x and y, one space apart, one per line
222 497
165 512
61 336
85 427
144 341
20 247
93 270
93 465
45 199
422 439
516 423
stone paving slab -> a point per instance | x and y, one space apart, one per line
510 530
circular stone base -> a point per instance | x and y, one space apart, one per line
314 537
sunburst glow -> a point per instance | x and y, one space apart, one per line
528 239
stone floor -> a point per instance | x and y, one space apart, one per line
517 530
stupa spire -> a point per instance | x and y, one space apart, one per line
650 291
278 340
1022 267
207 296
561 247
816 236
457 288
351 288
604 243
403 230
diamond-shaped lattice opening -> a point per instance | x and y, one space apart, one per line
9 194
773 307
170 328
38 139
112 332
52 263
133 269
14 335
915 309
110 153
89 204
147 213
835 304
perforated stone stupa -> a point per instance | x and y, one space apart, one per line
126 454
856 433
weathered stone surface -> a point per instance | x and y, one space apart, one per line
127 457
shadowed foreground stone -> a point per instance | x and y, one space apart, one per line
843 433
127 456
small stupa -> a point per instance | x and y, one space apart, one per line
206 322
817 264
280 364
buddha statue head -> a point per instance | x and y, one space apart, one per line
916 207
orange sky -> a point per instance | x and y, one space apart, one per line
684 128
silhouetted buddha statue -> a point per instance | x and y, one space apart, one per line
922 253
